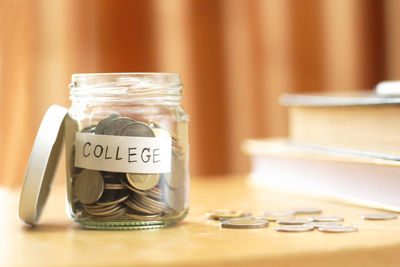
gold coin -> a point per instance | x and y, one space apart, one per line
105 212
123 198
133 204
118 214
114 186
88 186
145 203
154 193
98 208
152 202
143 181
159 132
142 217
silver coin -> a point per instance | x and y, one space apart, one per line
89 129
380 216
176 177
327 218
88 186
294 221
244 223
175 198
323 224
337 229
101 125
307 211
115 125
294 228
276 215
136 129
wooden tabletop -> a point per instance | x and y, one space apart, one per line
196 240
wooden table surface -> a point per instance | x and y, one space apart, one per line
196 240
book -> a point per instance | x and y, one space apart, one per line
362 121
321 172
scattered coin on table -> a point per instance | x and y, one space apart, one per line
322 224
338 229
380 216
307 211
327 218
287 222
244 223
294 228
224 214
276 215
294 221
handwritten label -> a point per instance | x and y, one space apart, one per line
123 153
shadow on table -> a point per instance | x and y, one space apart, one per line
65 226
51 227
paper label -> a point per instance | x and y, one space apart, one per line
123 153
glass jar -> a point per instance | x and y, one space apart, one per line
127 151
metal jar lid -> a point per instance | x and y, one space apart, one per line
42 165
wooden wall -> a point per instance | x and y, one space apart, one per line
235 56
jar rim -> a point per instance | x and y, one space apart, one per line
127 87
167 79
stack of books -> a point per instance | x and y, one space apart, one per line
340 146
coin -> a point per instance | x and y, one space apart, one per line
155 125
338 229
276 215
159 132
96 208
380 216
307 211
244 223
115 125
136 129
143 181
104 212
327 218
88 186
224 214
143 217
176 177
101 125
131 188
114 215
114 186
133 204
294 221
294 228
323 224
155 193
175 198
151 202
89 129
110 197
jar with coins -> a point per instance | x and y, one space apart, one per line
126 139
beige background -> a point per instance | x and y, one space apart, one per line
236 57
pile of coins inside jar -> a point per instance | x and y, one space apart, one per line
105 196
286 221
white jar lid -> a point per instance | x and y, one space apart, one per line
42 165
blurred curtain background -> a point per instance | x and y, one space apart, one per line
235 56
